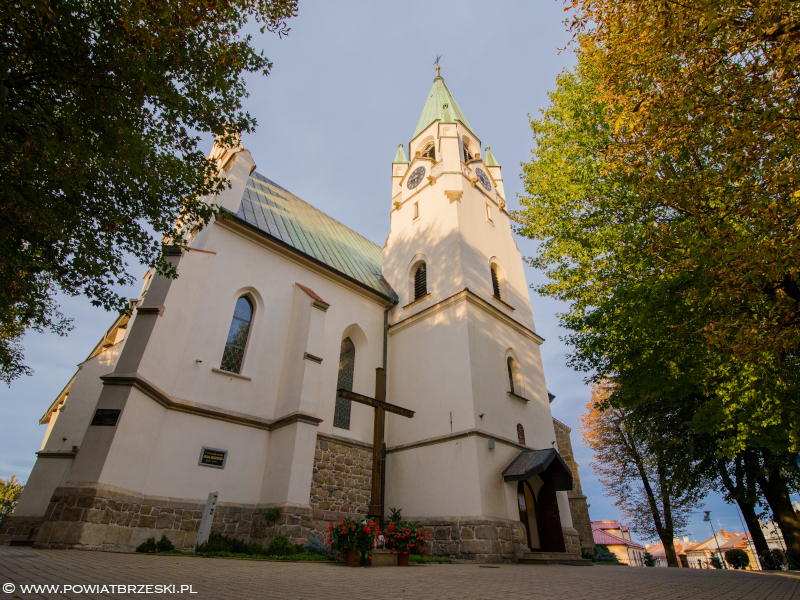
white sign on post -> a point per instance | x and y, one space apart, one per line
208 518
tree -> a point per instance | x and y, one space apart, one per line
103 106
10 491
705 98
737 558
643 463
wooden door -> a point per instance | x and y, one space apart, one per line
527 514
549 520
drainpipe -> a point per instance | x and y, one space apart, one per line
385 397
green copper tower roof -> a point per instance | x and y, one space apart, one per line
434 111
400 157
491 161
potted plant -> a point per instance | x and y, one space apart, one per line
353 539
405 538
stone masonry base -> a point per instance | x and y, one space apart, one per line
476 538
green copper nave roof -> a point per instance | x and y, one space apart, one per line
433 111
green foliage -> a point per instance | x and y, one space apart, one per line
716 562
774 560
424 560
150 545
281 546
603 554
737 558
649 561
10 491
314 546
273 515
395 515
104 104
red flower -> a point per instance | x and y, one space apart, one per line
330 526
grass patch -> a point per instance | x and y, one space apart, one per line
416 558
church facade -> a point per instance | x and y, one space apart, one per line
225 379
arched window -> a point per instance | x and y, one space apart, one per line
521 433
468 156
495 282
233 355
420 281
512 365
429 151
347 365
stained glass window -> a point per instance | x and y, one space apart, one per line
347 364
237 336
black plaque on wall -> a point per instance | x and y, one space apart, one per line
213 457
106 417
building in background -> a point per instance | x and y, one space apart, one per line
617 538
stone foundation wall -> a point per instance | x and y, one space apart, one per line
342 479
476 538
21 530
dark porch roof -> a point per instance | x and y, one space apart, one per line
548 464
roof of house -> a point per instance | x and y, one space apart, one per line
657 550
434 108
282 215
607 539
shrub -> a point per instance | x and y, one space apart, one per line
273 515
314 546
774 560
220 544
150 545
603 554
716 562
281 546
737 558
649 561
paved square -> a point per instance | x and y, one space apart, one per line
242 579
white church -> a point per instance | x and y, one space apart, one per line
226 379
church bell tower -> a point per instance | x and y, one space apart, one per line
463 351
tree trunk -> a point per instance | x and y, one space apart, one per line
774 490
667 534
759 541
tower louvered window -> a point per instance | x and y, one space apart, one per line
347 365
429 151
495 283
420 282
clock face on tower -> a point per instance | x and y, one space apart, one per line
484 180
415 177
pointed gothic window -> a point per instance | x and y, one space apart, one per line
420 282
233 354
520 433
511 367
495 282
347 365
429 151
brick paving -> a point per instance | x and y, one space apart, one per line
243 579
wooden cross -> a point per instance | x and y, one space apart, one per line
381 407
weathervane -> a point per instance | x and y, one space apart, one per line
436 62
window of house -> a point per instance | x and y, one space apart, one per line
495 282
488 213
416 210
233 355
520 433
420 282
429 151
347 365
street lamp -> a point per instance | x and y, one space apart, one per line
708 519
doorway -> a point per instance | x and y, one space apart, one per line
550 534
527 514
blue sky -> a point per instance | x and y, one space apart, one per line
348 84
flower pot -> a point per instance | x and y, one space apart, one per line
351 558
402 559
